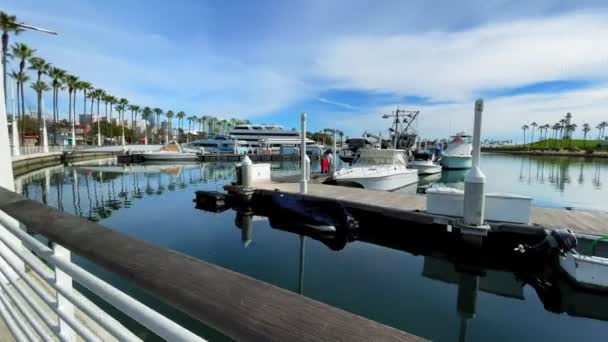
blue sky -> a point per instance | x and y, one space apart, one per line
344 62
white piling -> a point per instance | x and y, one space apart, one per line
474 183
247 173
303 156
334 159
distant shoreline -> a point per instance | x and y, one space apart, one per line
582 154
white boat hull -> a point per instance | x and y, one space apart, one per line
383 183
457 162
425 169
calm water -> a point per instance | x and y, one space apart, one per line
401 286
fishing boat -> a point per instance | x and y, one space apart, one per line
171 152
425 163
458 153
377 170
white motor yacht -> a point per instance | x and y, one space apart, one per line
425 163
378 170
171 151
458 153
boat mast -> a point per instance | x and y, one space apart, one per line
405 115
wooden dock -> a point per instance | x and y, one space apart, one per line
413 208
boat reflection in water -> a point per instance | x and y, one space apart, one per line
494 268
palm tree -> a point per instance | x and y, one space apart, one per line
525 128
110 100
201 125
21 78
98 95
122 106
170 114
145 115
546 128
85 87
23 53
134 110
533 125
7 25
180 119
570 129
72 83
158 113
191 119
57 80
40 87
586 129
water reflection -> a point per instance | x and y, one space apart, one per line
494 269
95 192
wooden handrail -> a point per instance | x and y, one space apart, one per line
236 305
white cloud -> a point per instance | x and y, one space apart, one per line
503 117
457 65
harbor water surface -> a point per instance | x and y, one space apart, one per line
155 203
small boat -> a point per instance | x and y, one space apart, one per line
170 151
458 153
373 169
425 163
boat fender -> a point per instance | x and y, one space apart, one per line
562 240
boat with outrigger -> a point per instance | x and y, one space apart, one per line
382 166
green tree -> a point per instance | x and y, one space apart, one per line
57 80
145 115
158 113
170 114
586 130
20 77
72 84
180 119
525 128
110 100
134 110
39 87
22 52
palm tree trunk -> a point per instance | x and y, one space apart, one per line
22 110
4 52
39 102
111 125
99 143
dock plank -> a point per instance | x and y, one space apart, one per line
412 206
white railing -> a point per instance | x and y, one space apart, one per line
39 303
26 150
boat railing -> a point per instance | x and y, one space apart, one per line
40 302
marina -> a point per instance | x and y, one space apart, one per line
386 250
265 181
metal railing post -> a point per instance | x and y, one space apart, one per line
64 282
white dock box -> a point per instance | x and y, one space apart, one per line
499 207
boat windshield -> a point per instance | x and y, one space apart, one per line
381 157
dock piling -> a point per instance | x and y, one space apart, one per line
247 173
303 181
474 187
